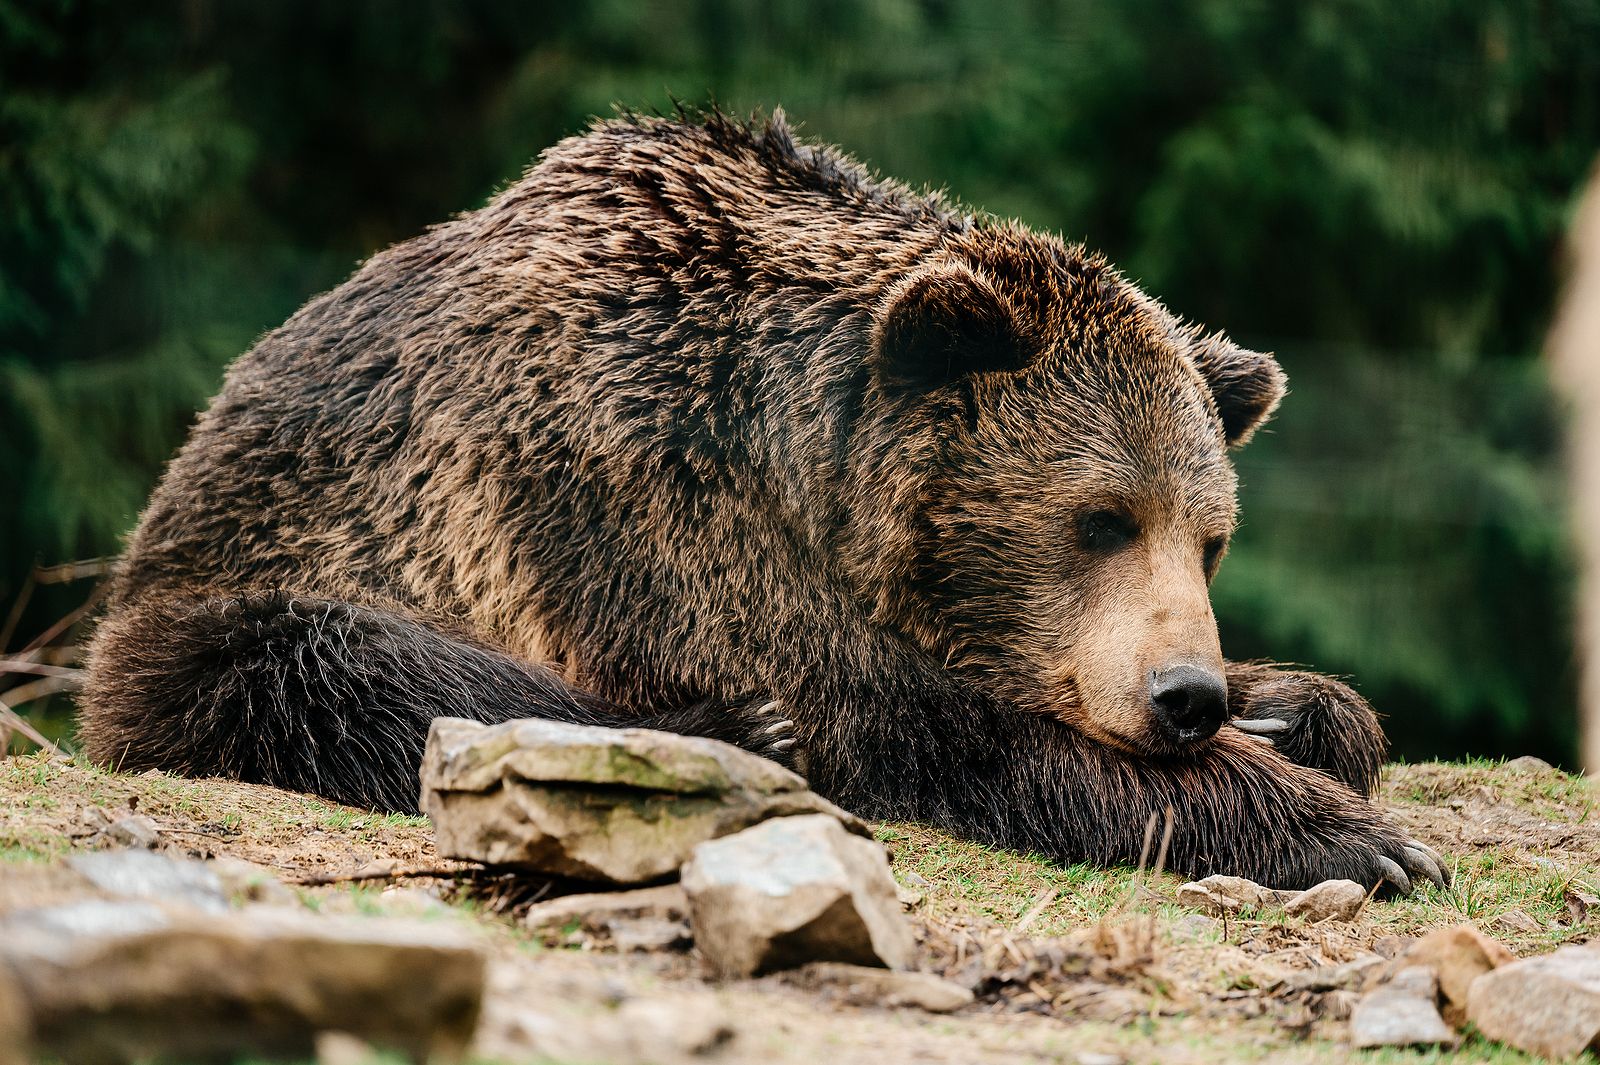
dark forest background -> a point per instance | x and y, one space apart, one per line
1376 191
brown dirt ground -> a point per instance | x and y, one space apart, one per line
1069 963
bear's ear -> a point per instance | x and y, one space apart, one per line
1246 385
943 323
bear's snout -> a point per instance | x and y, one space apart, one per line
1190 702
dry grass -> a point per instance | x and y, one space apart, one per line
1067 959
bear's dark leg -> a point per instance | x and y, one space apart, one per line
1312 720
324 696
920 746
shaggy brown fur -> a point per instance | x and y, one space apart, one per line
693 418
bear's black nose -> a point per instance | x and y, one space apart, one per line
1190 703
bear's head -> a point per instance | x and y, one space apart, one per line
1070 494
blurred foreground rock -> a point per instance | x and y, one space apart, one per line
537 1016
1402 1012
1458 956
624 806
114 982
1548 1005
794 890
141 874
14 1027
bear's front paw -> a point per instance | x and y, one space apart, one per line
1315 721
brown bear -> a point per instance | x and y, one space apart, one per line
700 428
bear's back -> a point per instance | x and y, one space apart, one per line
630 306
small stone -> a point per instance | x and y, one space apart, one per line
113 981
1548 1005
1458 955
135 830
377 869
1228 894
1196 926
1095 1057
1346 977
622 806
139 874
1529 764
655 918
1579 903
916 880
793 890
1402 1012
1518 921
1331 900
859 985
651 936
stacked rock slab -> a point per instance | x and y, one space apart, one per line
622 806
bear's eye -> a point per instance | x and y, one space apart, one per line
1105 531
1214 549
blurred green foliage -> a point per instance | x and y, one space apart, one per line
1377 191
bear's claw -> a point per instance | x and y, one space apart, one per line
772 735
1427 861
1394 874
1261 728
1412 863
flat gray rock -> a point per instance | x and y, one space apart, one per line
114 982
794 890
622 806
1549 1005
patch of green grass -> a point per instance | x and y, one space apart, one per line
366 899
1551 793
22 853
344 819
1004 886
1474 1048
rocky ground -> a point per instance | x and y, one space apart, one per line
1065 964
